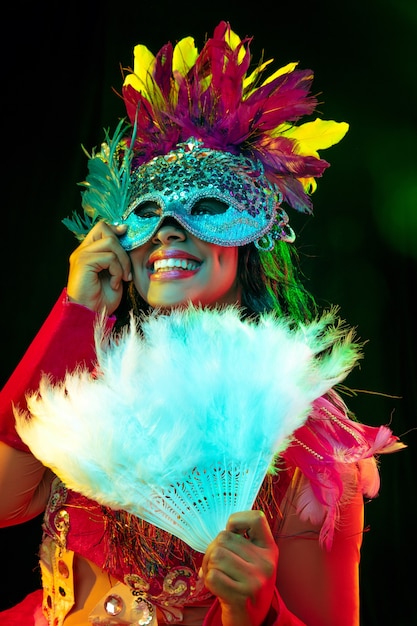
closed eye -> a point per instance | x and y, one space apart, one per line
148 209
209 206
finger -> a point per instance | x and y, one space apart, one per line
229 553
94 259
253 525
95 279
105 237
107 266
234 566
221 566
103 229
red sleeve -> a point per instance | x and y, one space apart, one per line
65 339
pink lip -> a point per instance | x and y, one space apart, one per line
174 273
170 253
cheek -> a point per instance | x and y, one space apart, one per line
225 269
139 273
228 260
142 286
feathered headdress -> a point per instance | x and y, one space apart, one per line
209 99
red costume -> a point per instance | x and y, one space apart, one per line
162 568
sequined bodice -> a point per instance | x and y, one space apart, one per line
136 553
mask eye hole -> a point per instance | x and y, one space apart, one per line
209 206
148 209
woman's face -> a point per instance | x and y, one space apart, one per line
174 267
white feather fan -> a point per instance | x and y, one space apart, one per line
180 424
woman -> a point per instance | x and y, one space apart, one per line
183 213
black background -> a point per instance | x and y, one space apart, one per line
59 69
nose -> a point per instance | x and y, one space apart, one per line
169 231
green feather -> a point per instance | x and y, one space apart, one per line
107 185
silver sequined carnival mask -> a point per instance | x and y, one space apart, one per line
173 185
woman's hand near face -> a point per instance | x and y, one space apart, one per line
98 267
240 568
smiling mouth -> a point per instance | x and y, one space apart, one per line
165 265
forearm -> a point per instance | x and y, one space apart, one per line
24 486
65 340
278 615
321 585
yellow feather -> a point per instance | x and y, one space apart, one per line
317 135
252 78
286 69
234 41
309 184
248 81
144 61
184 56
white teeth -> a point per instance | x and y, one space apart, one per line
163 264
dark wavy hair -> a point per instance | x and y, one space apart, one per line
270 281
